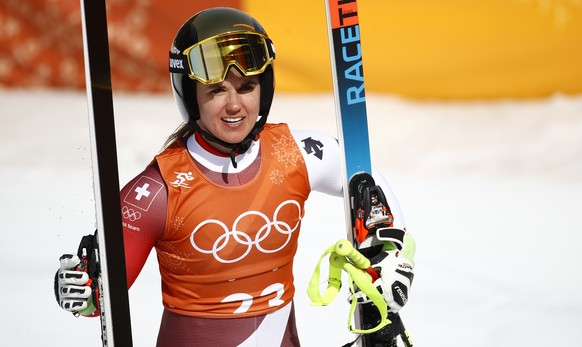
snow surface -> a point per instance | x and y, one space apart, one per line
492 192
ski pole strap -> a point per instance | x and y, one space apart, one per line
343 256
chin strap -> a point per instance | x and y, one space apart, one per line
235 148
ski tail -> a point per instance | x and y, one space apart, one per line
350 105
114 302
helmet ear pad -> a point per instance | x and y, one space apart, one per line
185 95
267 81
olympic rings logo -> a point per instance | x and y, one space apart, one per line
233 234
131 214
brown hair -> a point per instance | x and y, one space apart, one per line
182 132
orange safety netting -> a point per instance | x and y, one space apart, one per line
41 42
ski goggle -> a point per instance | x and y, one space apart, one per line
208 61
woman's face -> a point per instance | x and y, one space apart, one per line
229 109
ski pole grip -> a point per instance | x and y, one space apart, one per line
346 249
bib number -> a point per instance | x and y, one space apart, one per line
247 300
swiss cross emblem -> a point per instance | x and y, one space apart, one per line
143 193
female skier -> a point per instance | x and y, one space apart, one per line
222 203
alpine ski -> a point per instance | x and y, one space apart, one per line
361 196
113 296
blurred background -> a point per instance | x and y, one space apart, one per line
475 112
417 49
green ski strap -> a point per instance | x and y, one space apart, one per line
343 256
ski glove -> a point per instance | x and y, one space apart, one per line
75 281
394 281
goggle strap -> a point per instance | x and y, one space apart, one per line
270 48
179 63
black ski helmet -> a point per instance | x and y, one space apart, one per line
208 25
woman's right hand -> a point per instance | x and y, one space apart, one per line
73 287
